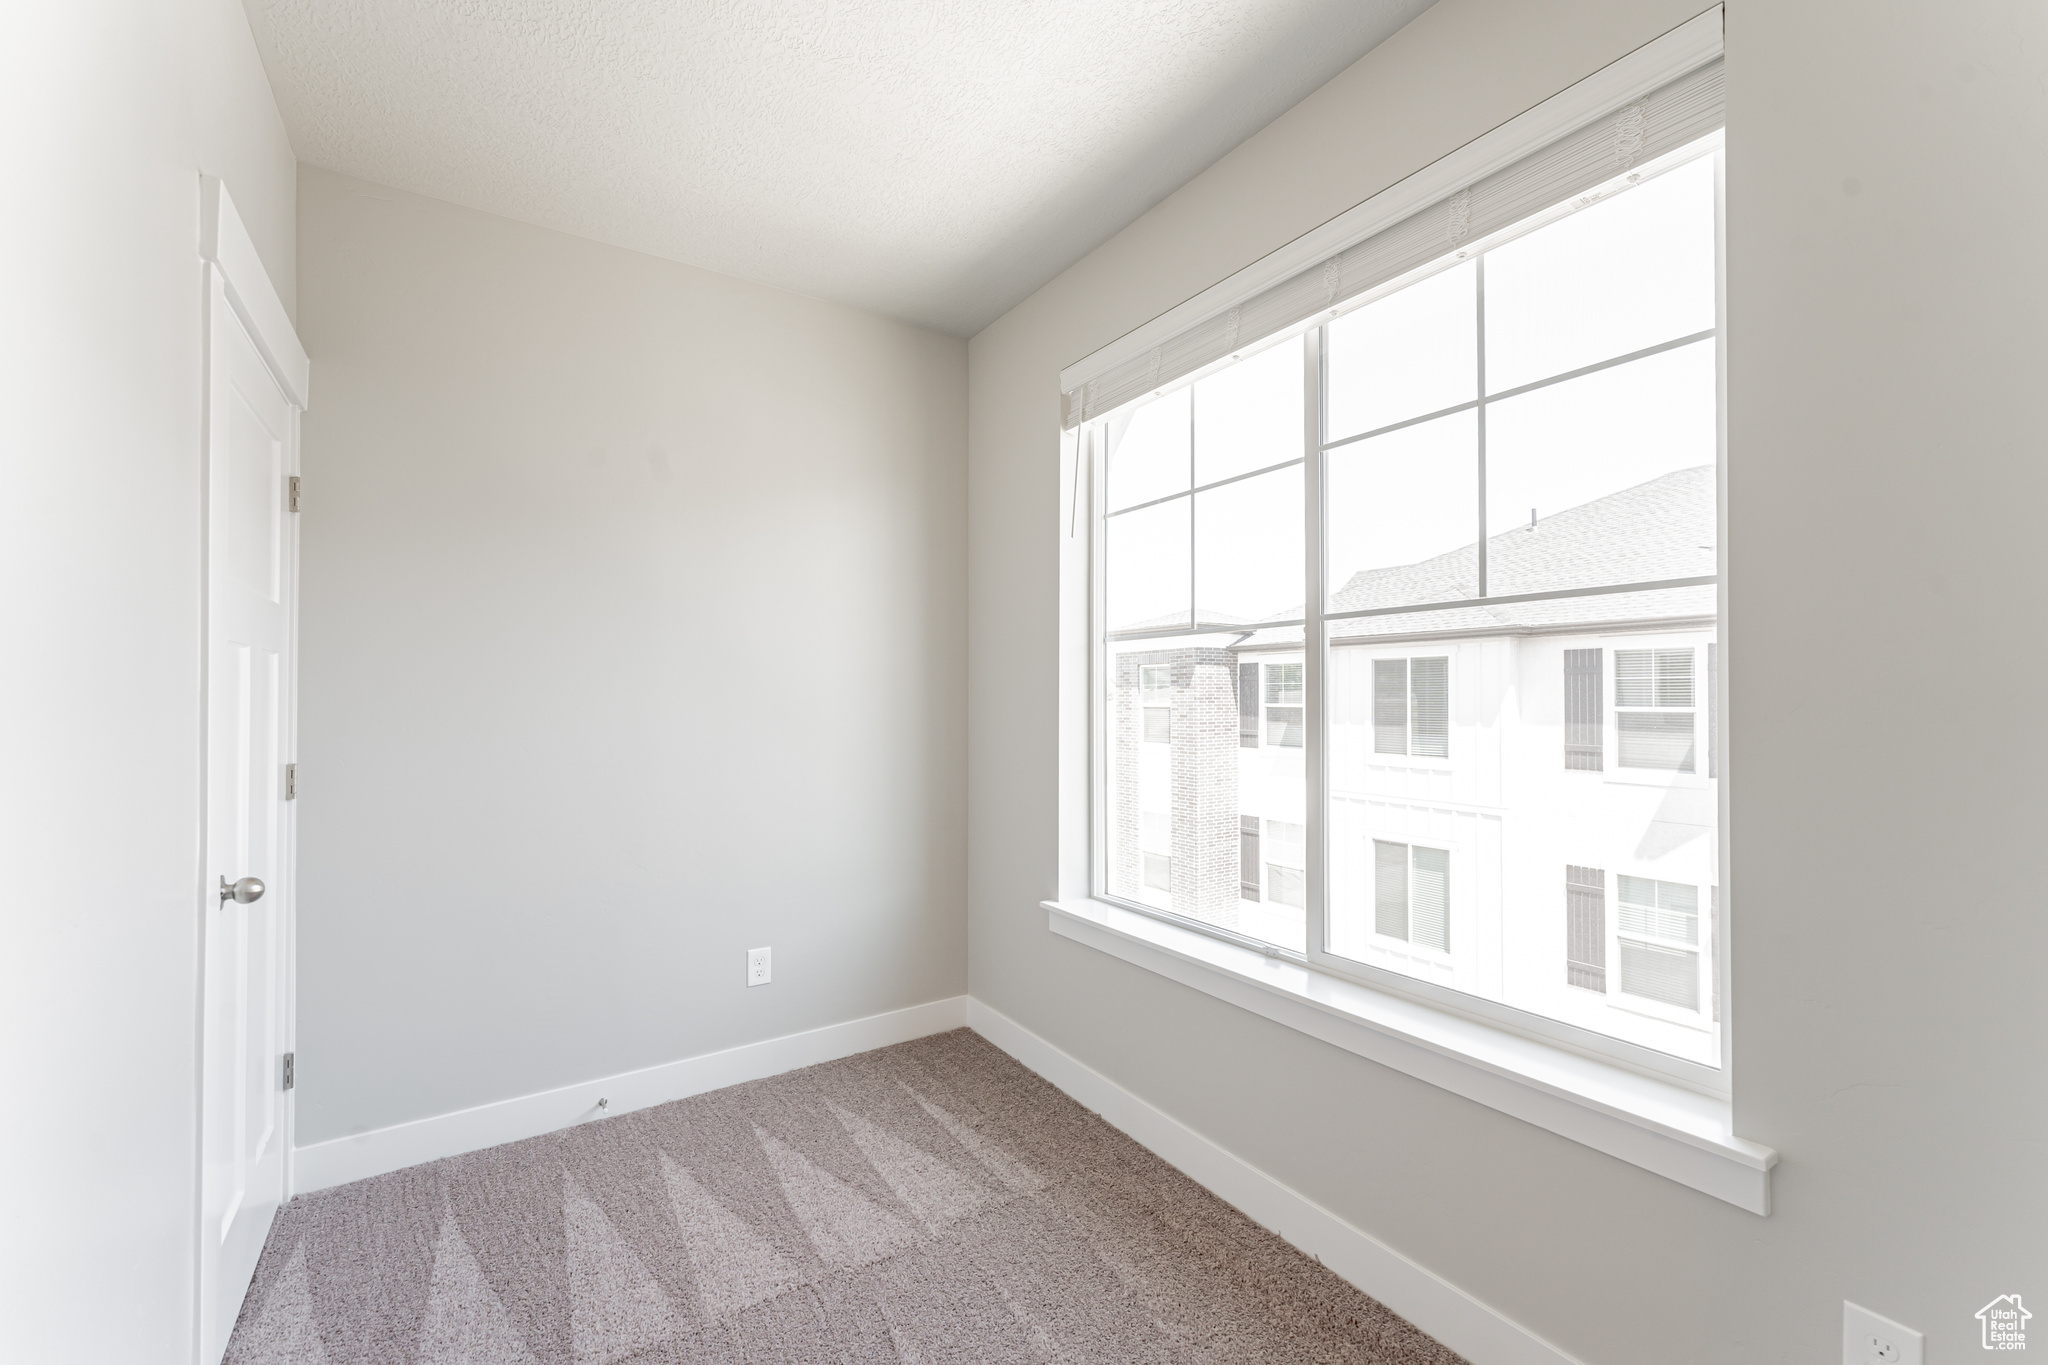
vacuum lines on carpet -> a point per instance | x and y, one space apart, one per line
929 1202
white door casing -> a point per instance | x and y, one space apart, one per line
255 389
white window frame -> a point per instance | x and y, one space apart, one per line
1620 1098
1634 1056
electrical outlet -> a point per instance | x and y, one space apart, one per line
757 966
1868 1339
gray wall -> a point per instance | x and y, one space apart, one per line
633 638
111 112
1886 487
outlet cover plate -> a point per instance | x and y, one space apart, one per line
1872 1339
757 966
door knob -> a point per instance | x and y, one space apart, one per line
243 892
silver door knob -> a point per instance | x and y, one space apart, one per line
242 892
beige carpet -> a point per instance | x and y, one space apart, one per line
932 1202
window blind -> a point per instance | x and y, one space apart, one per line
1655 739
1390 888
1655 973
1390 706
1607 149
1429 899
1430 711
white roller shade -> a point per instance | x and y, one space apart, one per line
1601 149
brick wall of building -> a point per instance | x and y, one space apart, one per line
1205 815
1204 879
1126 874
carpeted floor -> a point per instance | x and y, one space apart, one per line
924 1203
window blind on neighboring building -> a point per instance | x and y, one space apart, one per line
1661 909
1658 973
1429 898
1285 725
1655 739
1429 716
1412 893
1390 889
1575 165
1390 706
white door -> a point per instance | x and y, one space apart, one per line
252 453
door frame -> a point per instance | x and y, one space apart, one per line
233 272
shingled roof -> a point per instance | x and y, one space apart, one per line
1661 529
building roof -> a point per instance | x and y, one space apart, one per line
1658 530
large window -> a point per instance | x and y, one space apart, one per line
1407 626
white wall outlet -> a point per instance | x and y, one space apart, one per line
757 966
1868 1339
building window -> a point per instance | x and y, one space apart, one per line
1411 707
1653 709
1659 925
1364 582
1412 894
1283 705
1157 681
1286 881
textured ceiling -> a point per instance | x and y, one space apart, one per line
934 160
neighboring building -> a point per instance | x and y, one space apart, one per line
1523 795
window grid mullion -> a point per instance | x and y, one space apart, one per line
1219 483
1548 381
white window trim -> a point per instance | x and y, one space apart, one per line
1650 1122
1655 1124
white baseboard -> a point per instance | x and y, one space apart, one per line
1461 1322
340 1160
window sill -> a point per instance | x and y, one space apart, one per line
1654 1124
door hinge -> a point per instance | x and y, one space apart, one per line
291 781
288 1070
295 493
